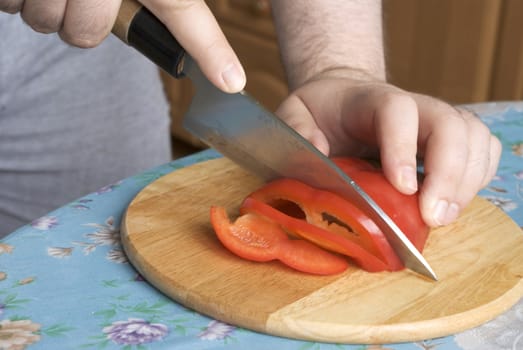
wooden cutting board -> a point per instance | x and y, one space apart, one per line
168 237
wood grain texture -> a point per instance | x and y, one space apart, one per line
168 238
443 48
507 79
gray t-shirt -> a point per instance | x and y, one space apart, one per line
72 120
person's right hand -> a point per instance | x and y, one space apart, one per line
86 23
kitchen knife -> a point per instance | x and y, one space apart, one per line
242 130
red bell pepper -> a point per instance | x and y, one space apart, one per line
287 206
256 238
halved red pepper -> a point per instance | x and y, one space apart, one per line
256 238
401 208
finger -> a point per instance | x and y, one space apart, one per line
44 16
396 124
446 141
194 26
494 158
491 146
11 6
481 154
295 114
88 23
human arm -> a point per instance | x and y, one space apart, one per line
86 24
333 55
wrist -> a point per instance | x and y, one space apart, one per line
346 72
329 38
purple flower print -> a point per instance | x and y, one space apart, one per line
2 308
216 330
498 178
108 188
504 204
517 149
106 234
81 204
60 252
80 207
117 256
519 175
135 331
45 223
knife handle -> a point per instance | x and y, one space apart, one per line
139 28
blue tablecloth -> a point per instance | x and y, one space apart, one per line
65 282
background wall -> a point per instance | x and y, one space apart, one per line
461 51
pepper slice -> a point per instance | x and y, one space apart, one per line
321 237
256 238
326 219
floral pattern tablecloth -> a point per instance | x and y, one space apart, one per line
65 282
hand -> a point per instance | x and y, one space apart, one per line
342 116
86 24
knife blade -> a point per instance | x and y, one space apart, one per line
241 129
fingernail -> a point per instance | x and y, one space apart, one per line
444 213
408 179
234 78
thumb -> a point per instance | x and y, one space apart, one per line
295 114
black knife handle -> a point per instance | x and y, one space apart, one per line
138 27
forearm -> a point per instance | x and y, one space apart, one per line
330 37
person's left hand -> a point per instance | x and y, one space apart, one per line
343 116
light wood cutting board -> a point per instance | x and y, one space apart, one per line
168 237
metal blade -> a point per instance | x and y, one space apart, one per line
242 130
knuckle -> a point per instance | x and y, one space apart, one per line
393 98
44 24
477 126
84 40
495 145
87 34
11 6
179 5
397 105
454 174
216 48
88 26
451 120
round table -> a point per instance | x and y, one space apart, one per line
65 282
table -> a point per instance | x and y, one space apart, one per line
65 282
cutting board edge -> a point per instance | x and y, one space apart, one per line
285 326
185 299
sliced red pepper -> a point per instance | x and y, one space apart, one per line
317 235
307 257
401 208
250 237
256 238
325 219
